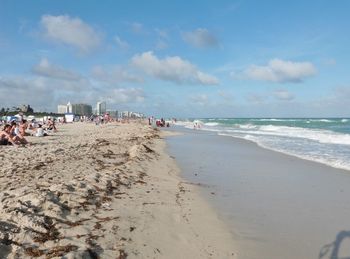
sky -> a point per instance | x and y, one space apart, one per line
182 59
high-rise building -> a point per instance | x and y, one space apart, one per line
69 108
77 109
100 108
61 109
82 109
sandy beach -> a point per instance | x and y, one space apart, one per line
108 191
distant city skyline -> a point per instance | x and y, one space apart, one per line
226 58
81 109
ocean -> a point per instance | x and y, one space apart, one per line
323 140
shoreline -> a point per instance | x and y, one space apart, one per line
107 191
277 205
268 149
324 141
288 154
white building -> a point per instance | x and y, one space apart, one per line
77 109
100 108
69 108
62 109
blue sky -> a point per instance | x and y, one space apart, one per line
179 58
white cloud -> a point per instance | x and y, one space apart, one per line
45 68
18 90
44 93
283 95
200 38
121 43
125 95
114 75
70 31
280 71
172 69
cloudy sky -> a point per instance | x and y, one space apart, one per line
194 58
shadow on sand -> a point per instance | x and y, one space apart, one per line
332 249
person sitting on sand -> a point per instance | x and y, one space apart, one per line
39 131
22 127
16 134
5 137
14 128
51 125
32 124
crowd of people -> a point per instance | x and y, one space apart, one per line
100 119
159 122
14 132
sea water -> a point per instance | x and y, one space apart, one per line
324 140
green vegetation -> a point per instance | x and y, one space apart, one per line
15 110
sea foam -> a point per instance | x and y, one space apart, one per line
318 140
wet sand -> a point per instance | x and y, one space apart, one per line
277 206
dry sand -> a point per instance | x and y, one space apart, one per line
107 191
